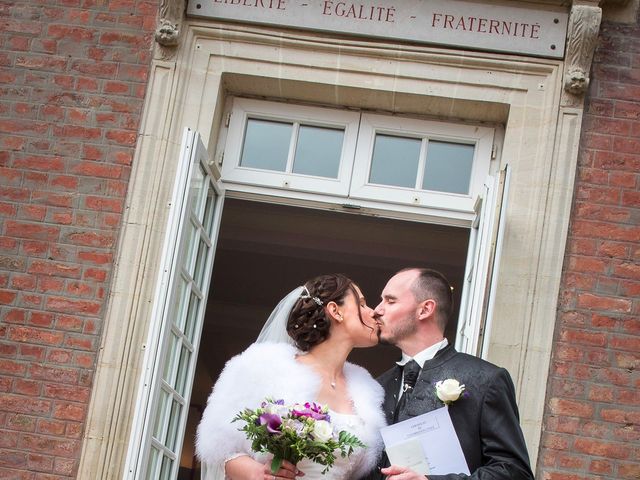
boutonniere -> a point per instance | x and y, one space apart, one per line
449 390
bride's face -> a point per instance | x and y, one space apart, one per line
363 333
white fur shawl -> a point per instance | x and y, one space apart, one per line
270 370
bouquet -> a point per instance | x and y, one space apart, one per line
295 432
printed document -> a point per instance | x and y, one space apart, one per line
427 444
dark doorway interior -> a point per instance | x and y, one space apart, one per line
266 250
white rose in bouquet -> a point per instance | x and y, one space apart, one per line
322 431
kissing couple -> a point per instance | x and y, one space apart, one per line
301 356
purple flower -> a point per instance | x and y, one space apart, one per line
272 422
312 410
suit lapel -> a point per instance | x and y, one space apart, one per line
391 385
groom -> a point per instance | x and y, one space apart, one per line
415 308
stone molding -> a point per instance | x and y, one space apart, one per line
584 26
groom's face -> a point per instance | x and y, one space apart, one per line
397 312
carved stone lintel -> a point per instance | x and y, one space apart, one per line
168 30
584 26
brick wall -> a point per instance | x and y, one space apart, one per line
72 80
592 418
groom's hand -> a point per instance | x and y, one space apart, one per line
401 473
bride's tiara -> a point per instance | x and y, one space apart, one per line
307 294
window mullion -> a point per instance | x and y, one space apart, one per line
292 147
422 164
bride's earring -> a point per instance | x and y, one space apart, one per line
340 317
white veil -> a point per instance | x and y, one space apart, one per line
275 328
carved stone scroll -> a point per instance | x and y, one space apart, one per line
168 30
584 25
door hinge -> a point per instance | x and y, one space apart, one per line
494 151
227 119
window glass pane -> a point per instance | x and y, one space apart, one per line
165 471
152 468
318 151
183 370
192 317
195 192
448 167
198 276
160 423
170 369
174 422
266 145
209 209
395 161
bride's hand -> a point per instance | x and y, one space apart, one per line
287 470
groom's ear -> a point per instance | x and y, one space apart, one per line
426 309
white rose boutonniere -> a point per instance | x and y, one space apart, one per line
449 390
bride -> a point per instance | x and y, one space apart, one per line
300 356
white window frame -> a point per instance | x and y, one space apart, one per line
483 258
193 155
244 108
372 124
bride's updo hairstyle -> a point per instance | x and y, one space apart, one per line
308 323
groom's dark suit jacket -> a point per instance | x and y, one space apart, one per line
485 417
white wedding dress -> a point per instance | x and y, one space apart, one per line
344 466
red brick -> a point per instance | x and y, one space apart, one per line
89 238
35 335
34 231
23 282
571 408
72 393
22 404
49 63
588 264
50 445
54 374
77 34
46 163
47 285
103 204
7 297
596 302
96 274
11 367
51 427
625 343
66 305
601 449
34 213
44 267
41 319
122 137
93 169
31 352
40 463
65 182
59 356
581 337
24 386
629 470
69 411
